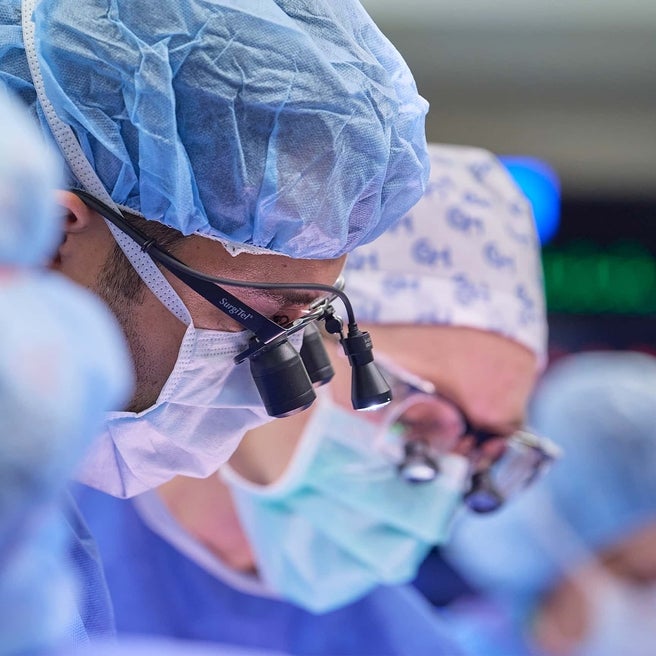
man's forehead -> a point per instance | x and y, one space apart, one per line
490 378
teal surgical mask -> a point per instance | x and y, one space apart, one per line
340 521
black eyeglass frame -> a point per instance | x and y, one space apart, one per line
482 496
266 331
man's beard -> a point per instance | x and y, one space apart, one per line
121 288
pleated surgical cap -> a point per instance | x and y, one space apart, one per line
467 254
600 407
292 126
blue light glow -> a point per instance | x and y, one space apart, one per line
541 185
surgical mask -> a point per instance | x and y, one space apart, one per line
202 412
340 521
621 619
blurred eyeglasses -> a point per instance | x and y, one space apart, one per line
427 424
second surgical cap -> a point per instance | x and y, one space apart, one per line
290 126
467 254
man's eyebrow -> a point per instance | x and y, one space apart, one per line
287 297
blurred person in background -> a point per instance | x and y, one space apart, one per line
569 569
304 543
63 364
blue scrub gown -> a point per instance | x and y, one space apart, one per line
95 615
158 590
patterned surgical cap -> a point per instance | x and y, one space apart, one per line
467 254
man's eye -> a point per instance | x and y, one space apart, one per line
282 320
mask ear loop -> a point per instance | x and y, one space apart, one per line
85 174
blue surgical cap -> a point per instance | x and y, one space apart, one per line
291 126
30 226
600 407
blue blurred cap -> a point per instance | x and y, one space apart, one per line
63 364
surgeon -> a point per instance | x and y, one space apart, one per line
571 567
63 363
304 543
256 142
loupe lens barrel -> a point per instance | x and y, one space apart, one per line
315 357
282 380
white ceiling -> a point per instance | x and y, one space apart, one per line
573 82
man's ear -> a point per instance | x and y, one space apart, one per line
78 216
82 227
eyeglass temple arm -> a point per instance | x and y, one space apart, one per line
119 220
209 287
263 328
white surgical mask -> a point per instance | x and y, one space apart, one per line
340 521
204 409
